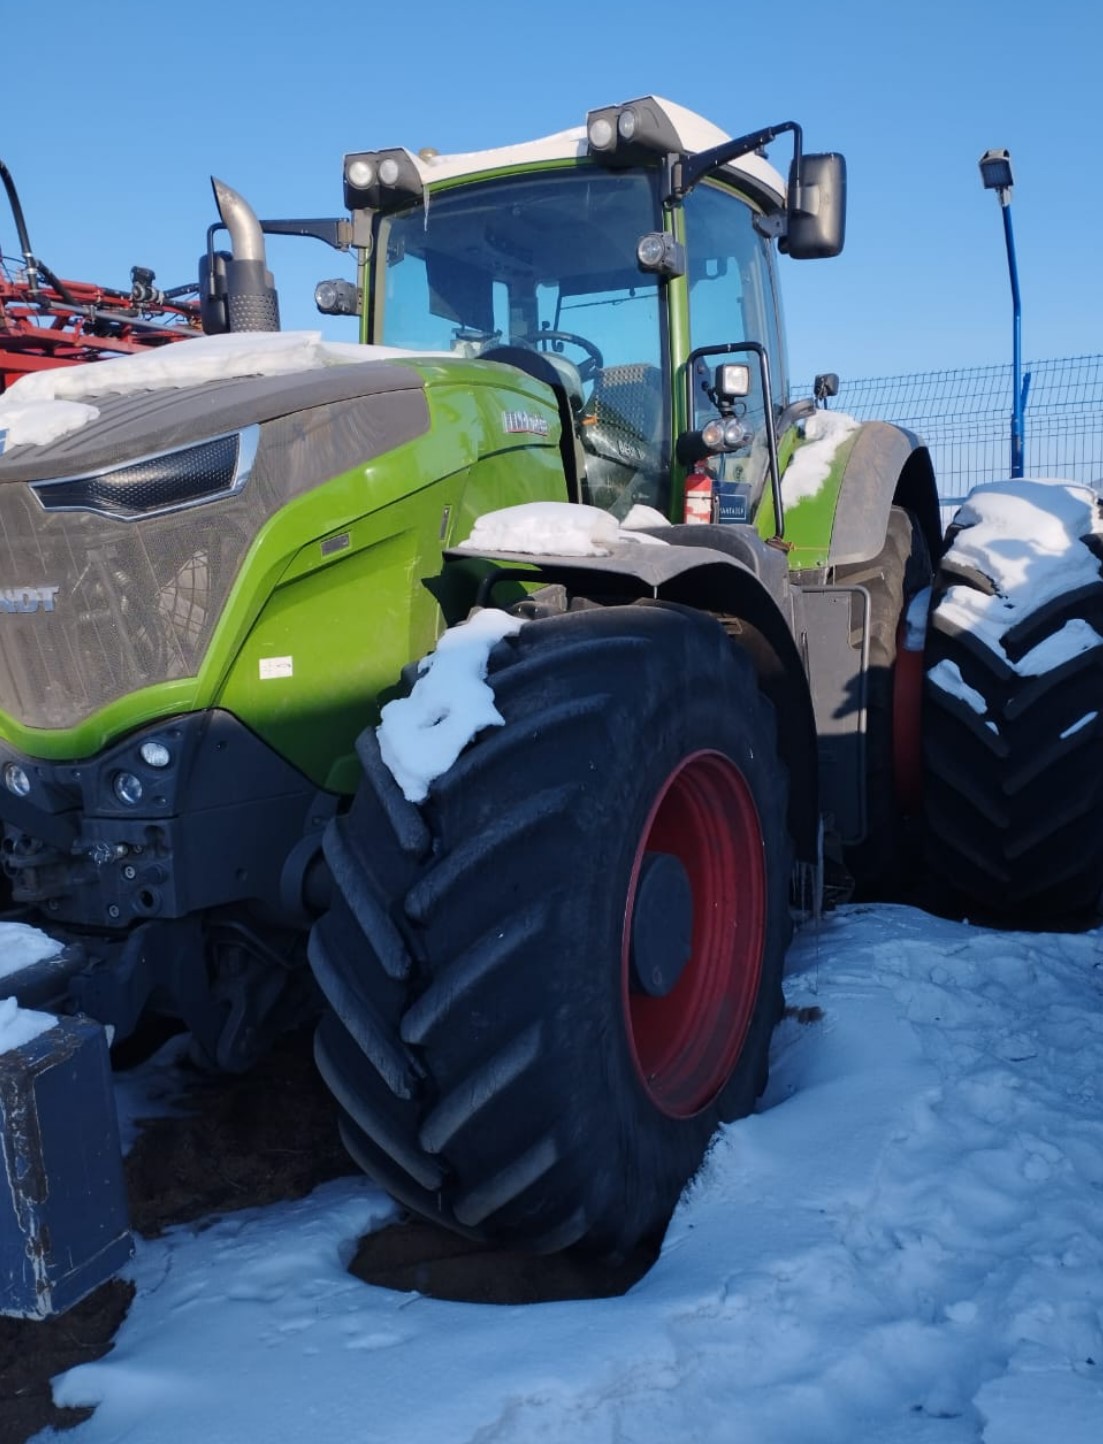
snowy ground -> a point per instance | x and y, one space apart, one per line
904 1244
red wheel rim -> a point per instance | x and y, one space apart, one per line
686 1045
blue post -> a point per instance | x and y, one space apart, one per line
995 172
1018 424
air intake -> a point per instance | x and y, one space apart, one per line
158 484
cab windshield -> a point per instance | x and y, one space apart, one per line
545 262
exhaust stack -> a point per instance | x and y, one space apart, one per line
236 289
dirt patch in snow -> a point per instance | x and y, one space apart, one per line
419 1257
236 1143
240 1143
31 1354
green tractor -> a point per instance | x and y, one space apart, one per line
544 977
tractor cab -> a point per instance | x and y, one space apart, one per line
620 261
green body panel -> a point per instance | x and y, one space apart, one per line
332 599
809 522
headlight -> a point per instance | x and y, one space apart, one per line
155 754
336 298
127 788
16 780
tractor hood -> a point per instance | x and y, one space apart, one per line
123 538
143 423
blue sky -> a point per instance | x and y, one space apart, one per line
116 113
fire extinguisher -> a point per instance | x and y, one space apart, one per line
698 494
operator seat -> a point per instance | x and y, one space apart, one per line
621 427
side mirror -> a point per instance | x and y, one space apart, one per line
212 292
817 208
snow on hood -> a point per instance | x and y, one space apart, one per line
810 466
45 405
560 528
422 735
1026 538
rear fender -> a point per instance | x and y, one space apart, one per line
888 467
846 519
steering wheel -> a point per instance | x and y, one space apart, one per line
594 359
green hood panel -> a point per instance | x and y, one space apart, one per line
144 423
292 603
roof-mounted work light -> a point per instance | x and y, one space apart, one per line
381 180
631 133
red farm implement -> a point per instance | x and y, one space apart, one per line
46 321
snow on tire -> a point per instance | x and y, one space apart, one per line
1013 709
551 980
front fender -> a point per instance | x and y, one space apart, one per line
731 573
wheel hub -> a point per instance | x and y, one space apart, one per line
662 925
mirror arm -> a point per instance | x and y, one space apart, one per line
686 172
332 230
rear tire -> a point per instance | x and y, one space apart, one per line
498 1068
1013 784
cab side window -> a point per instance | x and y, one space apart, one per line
732 290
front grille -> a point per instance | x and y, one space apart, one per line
156 484
128 605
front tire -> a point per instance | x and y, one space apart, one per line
520 1045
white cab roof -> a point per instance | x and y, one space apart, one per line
694 132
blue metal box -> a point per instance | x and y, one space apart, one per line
63 1213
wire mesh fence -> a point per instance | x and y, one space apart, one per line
964 416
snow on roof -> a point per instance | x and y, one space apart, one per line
694 132
45 405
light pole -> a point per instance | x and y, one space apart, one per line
995 173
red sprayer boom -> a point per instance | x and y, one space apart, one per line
46 321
